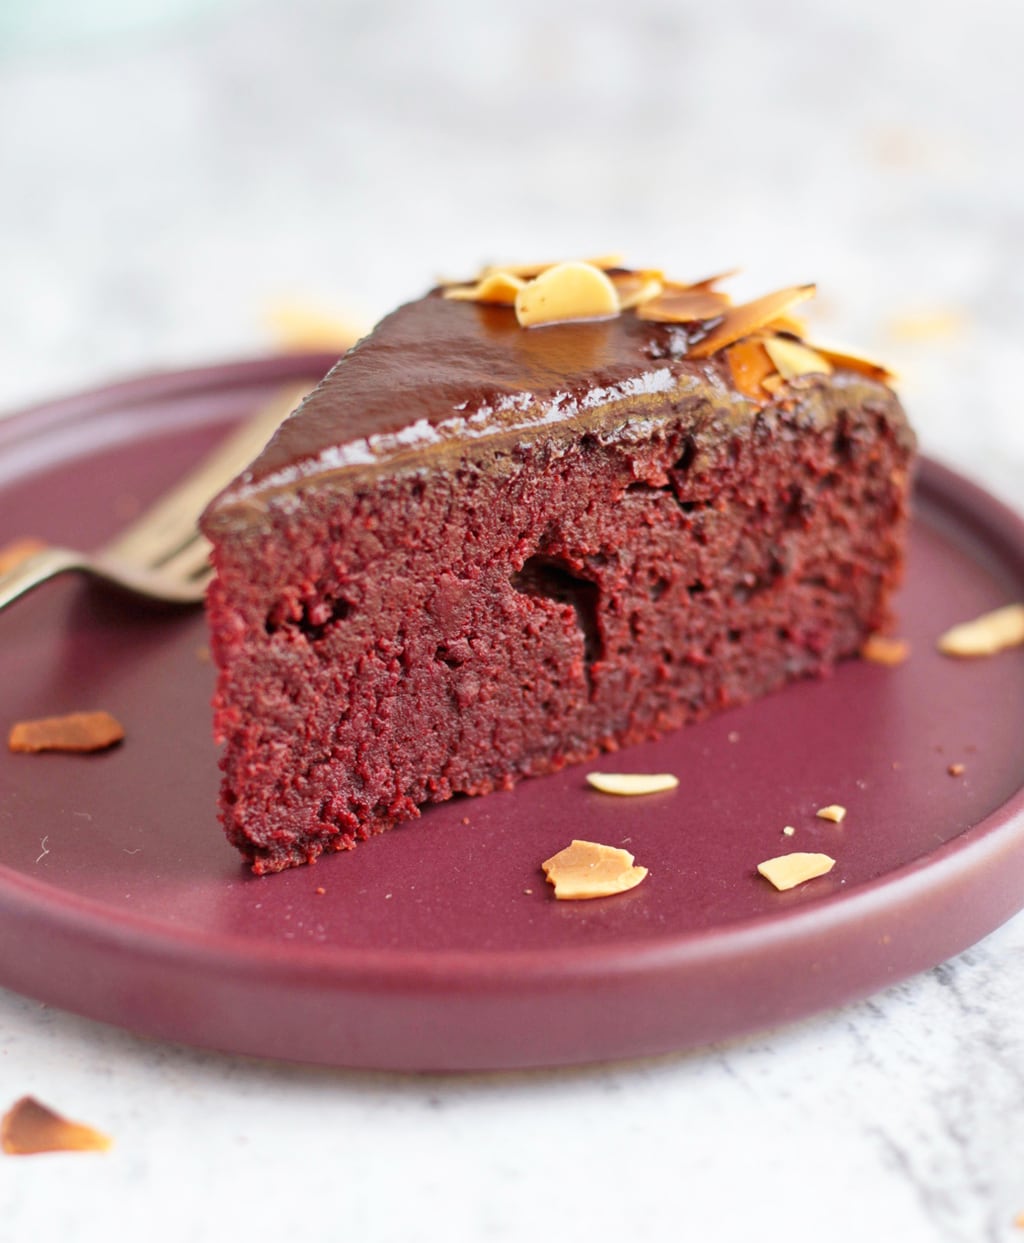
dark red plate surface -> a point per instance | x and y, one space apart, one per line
439 946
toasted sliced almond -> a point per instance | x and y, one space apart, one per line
685 306
590 870
631 784
793 358
833 812
792 324
527 271
985 635
844 359
787 871
880 649
499 287
566 293
741 321
706 282
29 1127
635 288
750 365
78 731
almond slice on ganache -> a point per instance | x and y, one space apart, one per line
565 294
740 321
788 871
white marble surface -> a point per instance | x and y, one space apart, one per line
166 181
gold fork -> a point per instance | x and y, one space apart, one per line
162 554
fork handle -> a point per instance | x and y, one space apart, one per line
35 569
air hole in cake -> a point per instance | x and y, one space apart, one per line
842 442
685 459
316 618
552 579
696 589
445 656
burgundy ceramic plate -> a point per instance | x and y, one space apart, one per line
439 945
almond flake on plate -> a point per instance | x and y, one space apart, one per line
591 870
880 649
985 635
787 871
78 731
832 812
631 784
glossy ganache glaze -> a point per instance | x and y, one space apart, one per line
478 552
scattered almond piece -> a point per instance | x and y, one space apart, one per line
788 830
985 635
880 649
78 731
17 551
793 358
956 770
832 812
31 1127
787 871
741 321
566 293
631 784
590 870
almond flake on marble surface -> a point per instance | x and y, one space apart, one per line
78 731
833 812
299 327
30 1127
880 649
566 293
985 635
17 551
956 770
499 287
787 871
632 784
793 358
749 317
591 870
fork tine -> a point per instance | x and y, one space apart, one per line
169 525
190 562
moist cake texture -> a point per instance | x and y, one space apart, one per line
479 552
